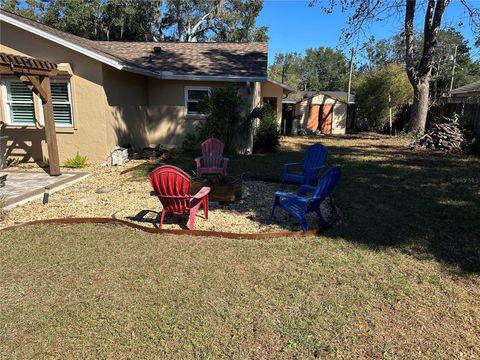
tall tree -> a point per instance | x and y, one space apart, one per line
238 22
327 69
375 54
419 62
147 20
320 69
220 20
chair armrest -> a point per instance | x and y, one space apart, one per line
287 165
204 191
317 167
291 196
225 159
198 159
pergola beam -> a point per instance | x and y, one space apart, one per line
34 85
35 74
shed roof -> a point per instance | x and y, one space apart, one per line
175 60
337 95
472 89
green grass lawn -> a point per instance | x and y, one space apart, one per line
398 277
111 292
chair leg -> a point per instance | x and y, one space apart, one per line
320 217
205 207
191 220
283 185
275 204
161 219
303 222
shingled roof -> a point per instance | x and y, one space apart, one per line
214 59
469 90
242 61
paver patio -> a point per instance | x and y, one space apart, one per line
24 186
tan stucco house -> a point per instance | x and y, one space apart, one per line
117 93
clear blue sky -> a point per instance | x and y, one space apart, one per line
294 26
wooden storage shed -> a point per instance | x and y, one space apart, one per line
325 111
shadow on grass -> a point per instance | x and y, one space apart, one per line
427 205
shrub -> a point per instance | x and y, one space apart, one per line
223 118
77 162
12 162
373 90
267 137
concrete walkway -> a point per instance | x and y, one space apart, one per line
25 186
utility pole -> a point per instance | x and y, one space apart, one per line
350 76
390 112
453 70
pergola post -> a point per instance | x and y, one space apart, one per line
50 133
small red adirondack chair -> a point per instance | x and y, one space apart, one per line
213 160
172 187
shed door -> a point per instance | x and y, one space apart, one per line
321 118
327 119
313 117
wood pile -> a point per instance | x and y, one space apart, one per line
446 137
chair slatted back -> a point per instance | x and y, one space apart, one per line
314 157
172 186
325 186
212 152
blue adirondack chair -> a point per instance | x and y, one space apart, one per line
313 162
300 204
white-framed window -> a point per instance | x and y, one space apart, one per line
193 96
18 103
62 102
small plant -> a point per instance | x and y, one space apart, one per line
291 346
77 162
267 137
12 162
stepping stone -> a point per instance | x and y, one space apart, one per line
87 199
104 190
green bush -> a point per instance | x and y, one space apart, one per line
267 137
77 162
372 93
223 118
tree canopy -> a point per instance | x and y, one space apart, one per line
378 91
323 68
419 60
374 54
147 20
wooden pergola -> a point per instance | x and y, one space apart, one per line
35 74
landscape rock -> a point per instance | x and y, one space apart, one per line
104 190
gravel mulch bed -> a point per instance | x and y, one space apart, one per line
106 193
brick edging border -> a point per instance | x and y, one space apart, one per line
205 233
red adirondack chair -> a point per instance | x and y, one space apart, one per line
172 187
213 160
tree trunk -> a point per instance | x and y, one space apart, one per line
418 116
